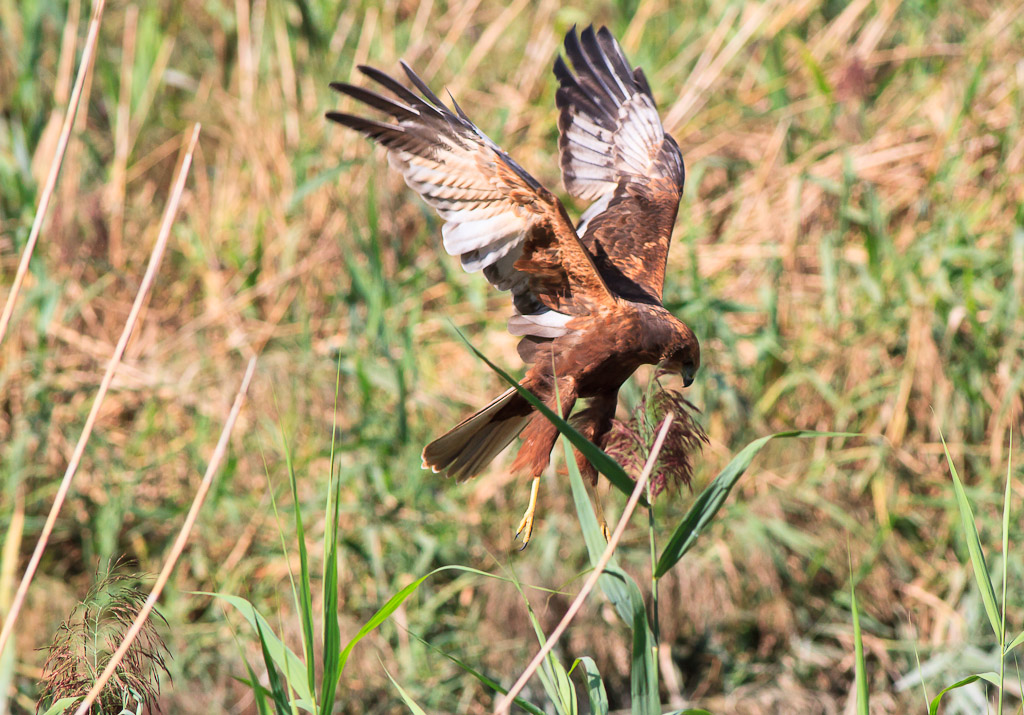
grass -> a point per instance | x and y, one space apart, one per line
850 252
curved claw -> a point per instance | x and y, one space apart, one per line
526 524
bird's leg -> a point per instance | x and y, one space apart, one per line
526 525
538 440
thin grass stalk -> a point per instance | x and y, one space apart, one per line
51 179
115 360
505 703
1006 552
179 544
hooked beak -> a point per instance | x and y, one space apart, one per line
688 374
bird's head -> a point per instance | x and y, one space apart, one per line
684 356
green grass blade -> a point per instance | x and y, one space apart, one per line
711 499
860 672
553 676
1015 642
409 702
333 664
1006 554
616 584
393 603
601 461
643 675
61 706
280 654
594 684
981 575
305 596
487 681
277 693
259 693
990 677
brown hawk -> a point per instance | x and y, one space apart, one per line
587 298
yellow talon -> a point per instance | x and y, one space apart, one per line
526 525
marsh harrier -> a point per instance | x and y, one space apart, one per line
587 298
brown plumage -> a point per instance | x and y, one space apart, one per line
587 299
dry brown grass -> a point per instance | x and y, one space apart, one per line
848 252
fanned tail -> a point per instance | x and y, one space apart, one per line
467 448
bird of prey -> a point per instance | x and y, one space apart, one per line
587 298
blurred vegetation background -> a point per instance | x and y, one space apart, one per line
849 251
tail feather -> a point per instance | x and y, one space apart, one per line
467 448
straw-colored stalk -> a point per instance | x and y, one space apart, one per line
177 548
51 178
115 360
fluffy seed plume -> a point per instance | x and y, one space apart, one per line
631 442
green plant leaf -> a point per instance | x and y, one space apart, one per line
305 605
393 603
617 585
860 669
711 499
601 461
62 705
970 529
489 682
280 654
990 677
259 693
409 702
643 675
1015 642
331 627
553 675
277 693
594 684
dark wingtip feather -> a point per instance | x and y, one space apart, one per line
420 84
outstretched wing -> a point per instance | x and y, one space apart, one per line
498 218
615 152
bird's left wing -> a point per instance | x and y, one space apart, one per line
498 218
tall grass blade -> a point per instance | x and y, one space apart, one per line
990 677
259 693
305 597
409 702
553 676
643 675
1006 554
981 575
1015 642
393 603
711 499
277 693
61 706
616 584
594 684
601 461
860 669
280 655
331 628
486 680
